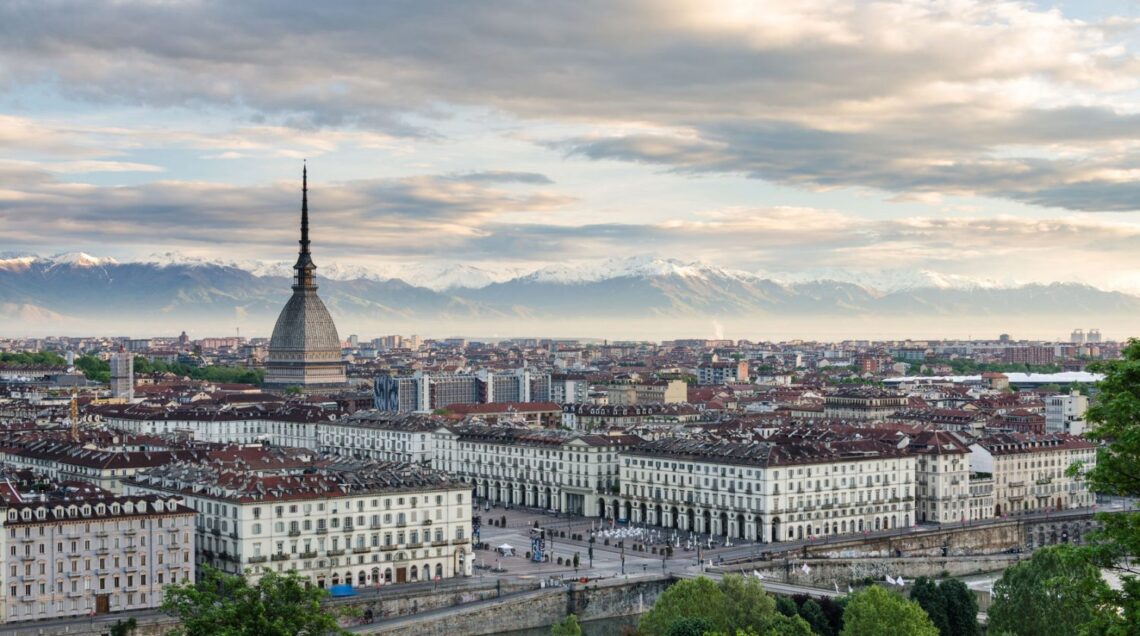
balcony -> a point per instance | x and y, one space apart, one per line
131 531
279 557
401 524
322 530
217 532
347 528
307 555
426 522
294 533
387 548
417 544
436 544
100 533
361 550
258 559
460 541
334 553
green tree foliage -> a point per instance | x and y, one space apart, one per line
221 374
746 604
699 598
124 628
42 357
961 608
735 603
220 604
690 626
786 606
929 597
1057 592
812 613
876 612
95 369
1115 416
780 626
788 626
566 627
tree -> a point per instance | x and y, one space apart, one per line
690 626
94 368
221 604
1115 419
786 606
698 597
746 604
929 597
788 626
876 612
735 603
961 608
568 626
1056 592
812 613
124 628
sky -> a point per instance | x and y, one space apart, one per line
996 140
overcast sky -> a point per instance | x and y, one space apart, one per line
983 139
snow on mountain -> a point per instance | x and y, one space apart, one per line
889 280
447 276
16 261
579 272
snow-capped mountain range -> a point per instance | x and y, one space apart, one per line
451 276
628 291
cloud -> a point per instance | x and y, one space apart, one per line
1000 99
412 213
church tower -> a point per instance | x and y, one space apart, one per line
304 351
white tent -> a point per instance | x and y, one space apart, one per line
506 549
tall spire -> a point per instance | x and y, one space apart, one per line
304 266
305 208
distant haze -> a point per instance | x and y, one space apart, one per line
637 298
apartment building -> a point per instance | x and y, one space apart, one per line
1066 413
548 469
280 424
768 492
332 521
942 472
381 436
65 460
863 403
1029 471
76 555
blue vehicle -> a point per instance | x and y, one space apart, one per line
341 591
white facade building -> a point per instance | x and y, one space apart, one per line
356 523
1066 413
291 425
92 555
546 469
768 492
1029 472
381 435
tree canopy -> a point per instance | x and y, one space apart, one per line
876 612
736 603
1056 592
1114 416
951 606
221 604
